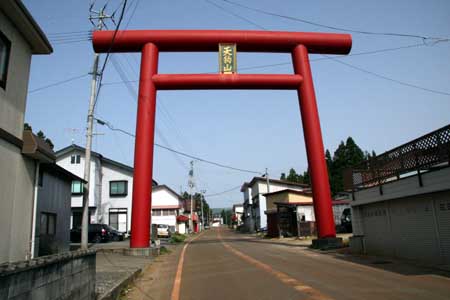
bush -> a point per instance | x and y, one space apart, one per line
177 238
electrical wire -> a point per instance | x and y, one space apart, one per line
99 85
261 11
224 192
290 63
107 124
435 41
234 14
57 83
388 78
114 37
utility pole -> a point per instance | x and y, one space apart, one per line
191 190
267 181
99 16
202 199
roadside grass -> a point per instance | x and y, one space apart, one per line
177 238
163 250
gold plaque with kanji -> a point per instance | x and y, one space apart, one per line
227 58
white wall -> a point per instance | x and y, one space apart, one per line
113 173
164 198
308 211
78 169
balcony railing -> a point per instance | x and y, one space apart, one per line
422 154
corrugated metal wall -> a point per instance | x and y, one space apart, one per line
415 227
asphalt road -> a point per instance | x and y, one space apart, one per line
221 264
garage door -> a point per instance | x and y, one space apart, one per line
413 228
442 207
377 234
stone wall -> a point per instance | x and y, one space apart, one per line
69 275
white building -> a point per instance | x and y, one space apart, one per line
166 207
255 202
110 194
20 39
238 211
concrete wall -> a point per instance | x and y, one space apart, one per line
13 97
16 203
66 276
54 197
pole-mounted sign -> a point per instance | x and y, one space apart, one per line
227 58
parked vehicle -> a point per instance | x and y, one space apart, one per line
97 233
163 230
116 235
346 220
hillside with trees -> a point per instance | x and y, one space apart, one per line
347 155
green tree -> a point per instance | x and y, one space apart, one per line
27 126
226 215
292 176
42 136
283 176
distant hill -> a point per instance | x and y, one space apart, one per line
219 210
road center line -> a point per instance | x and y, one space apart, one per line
312 293
177 282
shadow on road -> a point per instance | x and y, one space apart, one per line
403 267
246 240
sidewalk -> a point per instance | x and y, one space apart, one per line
114 271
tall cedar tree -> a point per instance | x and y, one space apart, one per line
347 155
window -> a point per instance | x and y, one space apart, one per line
77 187
75 159
157 212
41 178
5 49
47 224
118 188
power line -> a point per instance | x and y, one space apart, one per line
224 192
290 63
261 11
234 14
68 33
57 83
113 38
435 41
107 124
99 85
388 78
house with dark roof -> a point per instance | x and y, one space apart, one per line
110 195
255 202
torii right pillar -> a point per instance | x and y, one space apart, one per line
315 152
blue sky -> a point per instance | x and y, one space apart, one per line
248 129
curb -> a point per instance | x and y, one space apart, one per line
114 292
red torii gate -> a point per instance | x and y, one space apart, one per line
151 42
